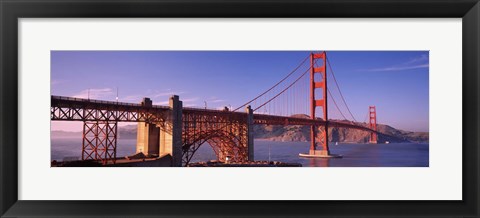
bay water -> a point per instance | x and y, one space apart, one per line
354 155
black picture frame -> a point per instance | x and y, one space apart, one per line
12 10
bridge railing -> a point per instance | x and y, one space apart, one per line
103 102
93 101
209 109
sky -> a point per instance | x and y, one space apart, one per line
396 82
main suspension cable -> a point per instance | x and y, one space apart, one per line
338 87
284 89
293 71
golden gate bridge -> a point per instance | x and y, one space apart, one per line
179 131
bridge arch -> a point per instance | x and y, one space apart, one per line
223 142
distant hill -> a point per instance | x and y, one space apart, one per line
295 133
65 134
302 133
124 132
127 132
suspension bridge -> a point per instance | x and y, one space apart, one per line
179 131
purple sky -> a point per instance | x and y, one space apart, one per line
395 81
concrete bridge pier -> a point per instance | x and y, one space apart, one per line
147 139
147 135
171 132
166 139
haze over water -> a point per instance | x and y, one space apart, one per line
354 155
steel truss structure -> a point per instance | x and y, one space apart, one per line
100 141
225 132
100 118
77 109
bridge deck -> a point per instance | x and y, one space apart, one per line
78 109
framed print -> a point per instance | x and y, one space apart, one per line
225 108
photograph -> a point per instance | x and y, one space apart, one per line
224 108
239 108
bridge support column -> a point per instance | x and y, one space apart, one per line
171 132
250 133
147 135
147 139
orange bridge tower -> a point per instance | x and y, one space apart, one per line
373 124
318 66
